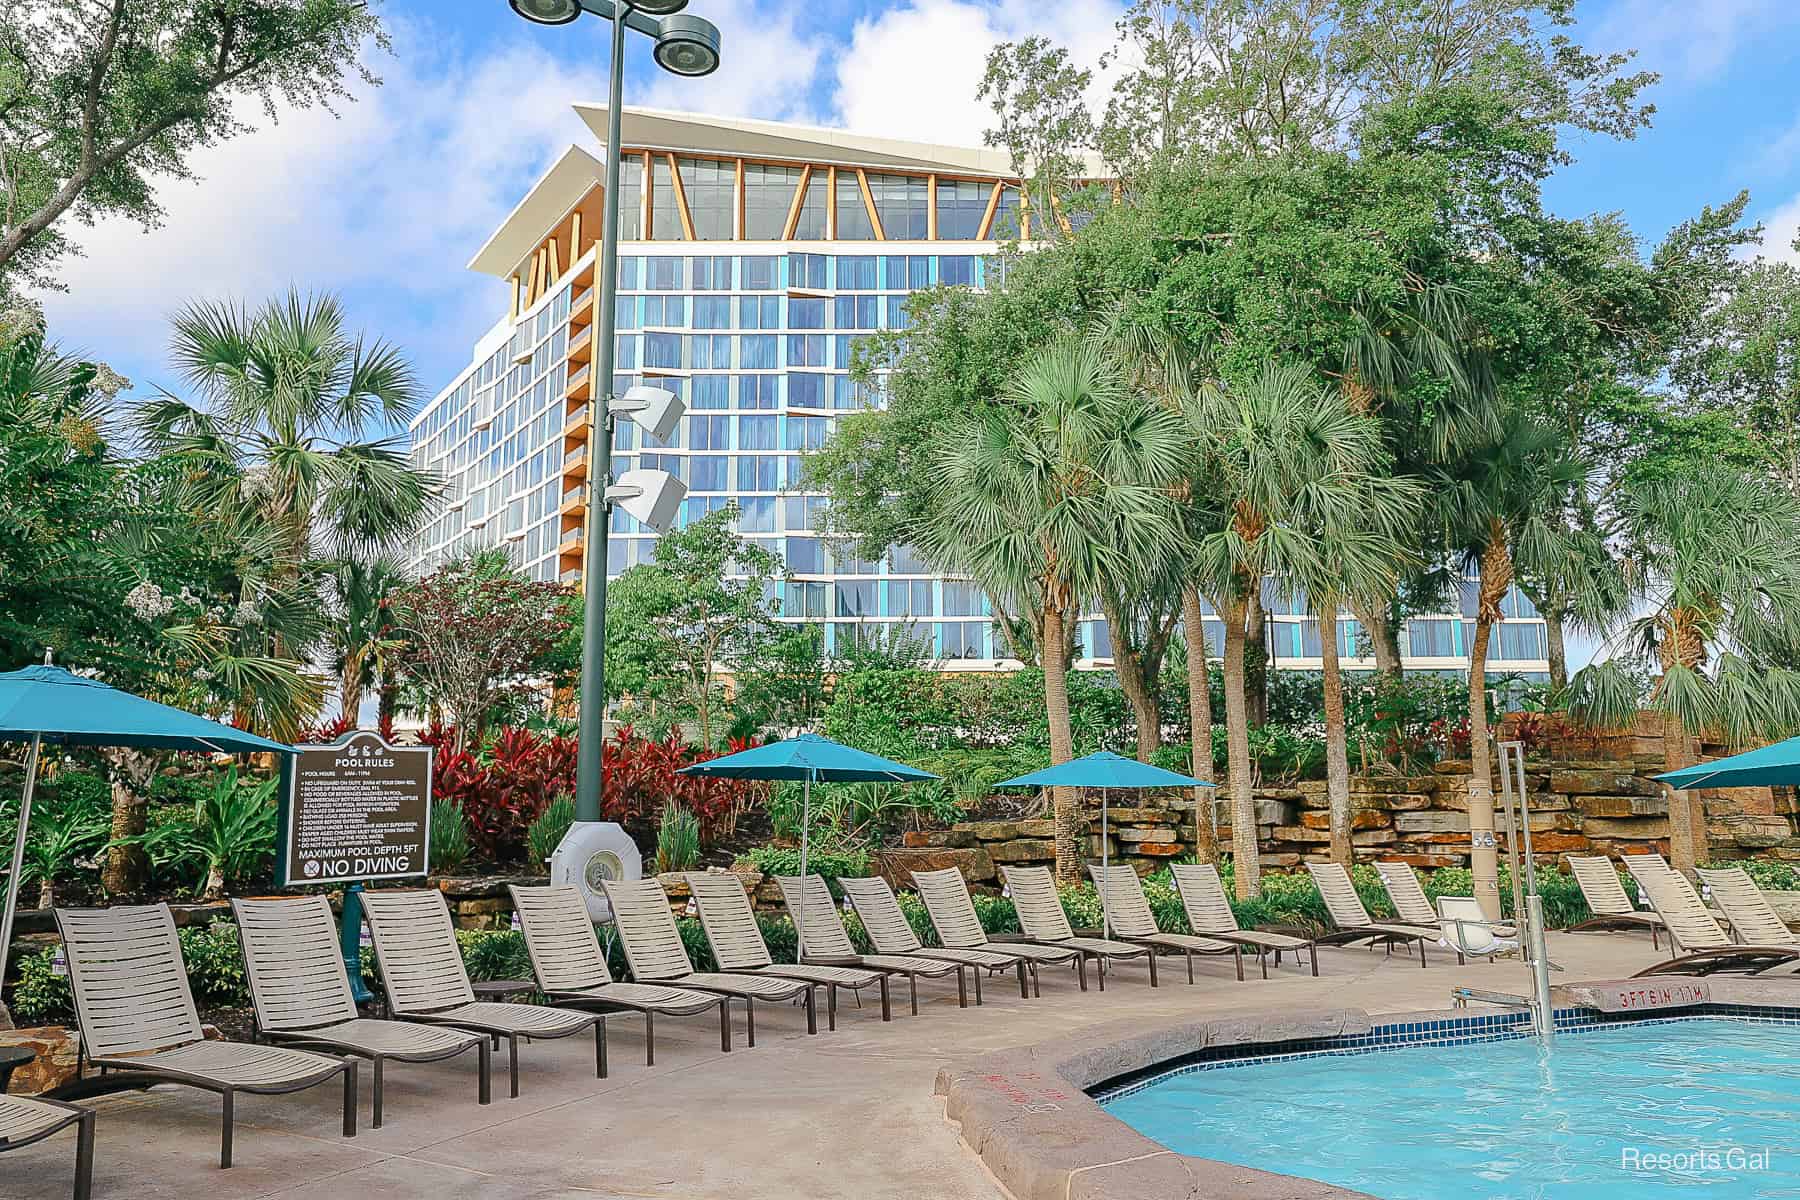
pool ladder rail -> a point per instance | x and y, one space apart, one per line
1526 901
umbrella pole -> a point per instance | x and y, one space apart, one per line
805 830
1105 860
13 880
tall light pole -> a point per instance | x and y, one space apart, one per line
685 45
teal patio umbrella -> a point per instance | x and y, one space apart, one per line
50 704
1771 766
807 758
1104 772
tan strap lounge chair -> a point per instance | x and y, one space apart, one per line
1210 914
1607 899
1412 906
571 968
138 1019
1354 924
1044 923
1701 947
738 945
952 912
892 934
1128 915
654 949
27 1119
423 974
1753 919
302 995
824 940
1467 931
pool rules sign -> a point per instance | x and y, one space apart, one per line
358 809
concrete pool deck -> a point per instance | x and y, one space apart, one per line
845 1114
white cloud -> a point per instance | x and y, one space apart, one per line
1780 226
912 71
1690 42
387 201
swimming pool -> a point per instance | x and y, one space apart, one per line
1626 1110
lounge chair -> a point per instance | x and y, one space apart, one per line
1753 919
1210 914
738 945
1608 901
423 974
823 940
1044 923
1354 924
892 934
138 1019
1129 917
1412 906
302 995
27 1119
1701 946
1467 930
952 911
654 949
571 969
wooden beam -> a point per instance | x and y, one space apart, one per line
831 223
552 264
537 278
862 180
575 253
931 208
512 308
645 208
796 204
681 208
985 233
737 220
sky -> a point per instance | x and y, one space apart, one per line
385 201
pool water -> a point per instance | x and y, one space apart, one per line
1706 1107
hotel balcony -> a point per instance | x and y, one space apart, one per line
581 312
576 429
581 345
575 464
574 502
577 387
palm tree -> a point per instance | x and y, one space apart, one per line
1289 461
1713 556
294 423
1041 498
1499 506
360 636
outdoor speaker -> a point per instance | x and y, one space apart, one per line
653 497
593 851
656 410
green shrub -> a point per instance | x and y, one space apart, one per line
494 953
41 996
832 862
546 833
215 964
449 836
677 839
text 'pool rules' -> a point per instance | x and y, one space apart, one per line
359 809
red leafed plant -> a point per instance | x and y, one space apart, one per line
504 789
325 732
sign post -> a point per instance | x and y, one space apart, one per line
355 811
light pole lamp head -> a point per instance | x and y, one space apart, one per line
688 46
547 12
659 8
653 497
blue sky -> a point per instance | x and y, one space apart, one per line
385 202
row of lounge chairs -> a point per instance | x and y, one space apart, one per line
140 1026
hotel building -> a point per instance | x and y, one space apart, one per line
752 256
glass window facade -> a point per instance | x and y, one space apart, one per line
760 345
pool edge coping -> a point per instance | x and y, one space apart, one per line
1027 1114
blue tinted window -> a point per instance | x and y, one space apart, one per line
806 391
759 473
712 312
806 314
761 273
957 269
709 474
756 433
663 274
662 349
710 391
759 391
759 351
805 350
857 273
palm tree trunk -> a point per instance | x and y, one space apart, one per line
1687 829
1484 857
350 687
1128 665
1256 660
1066 810
1337 740
1384 637
127 868
1199 681
1558 654
1247 867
